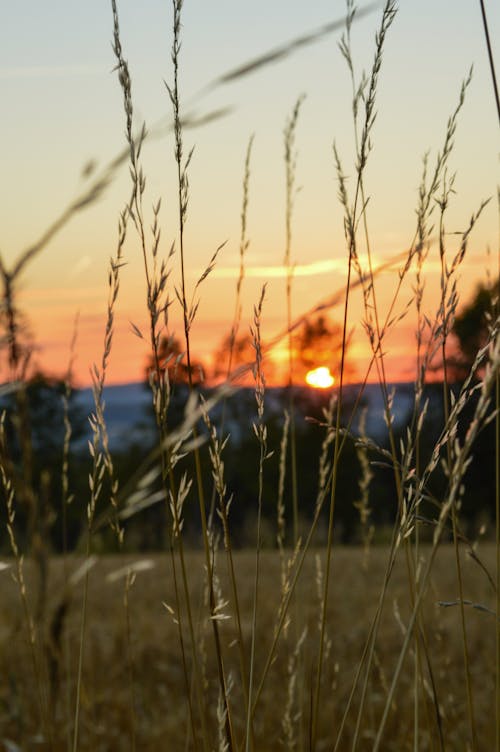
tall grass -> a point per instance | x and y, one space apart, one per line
238 677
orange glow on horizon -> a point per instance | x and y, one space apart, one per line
320 378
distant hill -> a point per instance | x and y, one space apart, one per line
130 421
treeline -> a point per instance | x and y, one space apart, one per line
52 487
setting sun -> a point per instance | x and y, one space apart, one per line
320 378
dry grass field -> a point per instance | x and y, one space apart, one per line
381 647
154 676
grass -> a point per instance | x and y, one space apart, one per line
386 647
162 712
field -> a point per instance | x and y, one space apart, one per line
155 673
192 590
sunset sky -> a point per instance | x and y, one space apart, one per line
62 107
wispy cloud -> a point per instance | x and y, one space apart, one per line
83 263
324 266
299 270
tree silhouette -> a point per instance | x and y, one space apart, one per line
471 328
236 360
318 343
172 359
230 356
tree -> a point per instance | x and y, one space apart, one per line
236 360
318 344
230 356
471 328
172 359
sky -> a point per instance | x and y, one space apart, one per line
62 109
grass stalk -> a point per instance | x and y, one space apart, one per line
99 449
497 540
459 466
223 509
290 167
244 244
156 281
188 316
496 313
9 494
261 433
447 312
372 322
66 499
290 171
350 223
129 581
490 58
377 333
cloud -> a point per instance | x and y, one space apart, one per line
83 263
338 265
299 270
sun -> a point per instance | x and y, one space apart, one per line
320 378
